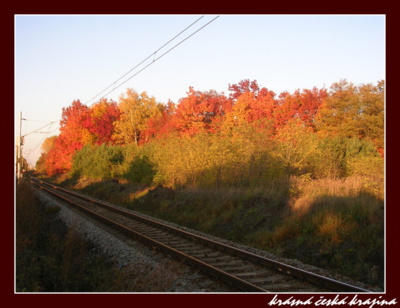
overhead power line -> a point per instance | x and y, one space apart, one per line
36 131
151 55
154 58
35 120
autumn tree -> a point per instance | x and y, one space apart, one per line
46 147
59 158
353 111
373 113
74 134
48 144
302 105
251 104
74 124
135 110
159 125
102 118
244 86
200 111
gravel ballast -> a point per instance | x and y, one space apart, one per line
140 261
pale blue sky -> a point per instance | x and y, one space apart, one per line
60 58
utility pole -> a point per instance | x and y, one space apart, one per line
19 150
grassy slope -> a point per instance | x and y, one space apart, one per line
333 224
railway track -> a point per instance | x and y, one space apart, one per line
244 270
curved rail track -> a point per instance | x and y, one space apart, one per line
245 271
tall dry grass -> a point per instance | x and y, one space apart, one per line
333 223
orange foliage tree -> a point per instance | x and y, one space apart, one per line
200 111
257 108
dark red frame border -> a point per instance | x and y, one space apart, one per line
194 300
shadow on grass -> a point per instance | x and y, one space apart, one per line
341 233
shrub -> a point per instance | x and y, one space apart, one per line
371 173
141 170
98 162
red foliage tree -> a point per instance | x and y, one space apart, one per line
159 125
73 131
299 105
244 86
101 121
75 120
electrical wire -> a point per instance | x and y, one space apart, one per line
151 55
155 59
34 120
32 150
35 131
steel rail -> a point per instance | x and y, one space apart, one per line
313 278
221 275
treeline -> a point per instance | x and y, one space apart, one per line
209 139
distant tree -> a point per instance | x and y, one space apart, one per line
46 147
48 144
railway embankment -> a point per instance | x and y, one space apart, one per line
327 223
164 194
